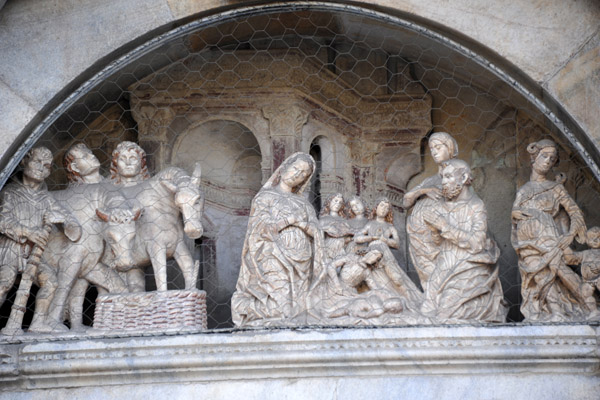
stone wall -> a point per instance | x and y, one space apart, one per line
49 47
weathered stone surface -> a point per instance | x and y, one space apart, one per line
525 362
46 45
16 112
537 37
541 237
577 86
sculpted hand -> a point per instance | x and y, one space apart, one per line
520 214
53 217
408 200
433 193
565 242
37 236
269 232
285 222
570 257
434 219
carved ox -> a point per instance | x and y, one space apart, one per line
166 198
105 217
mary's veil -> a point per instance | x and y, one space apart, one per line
275 178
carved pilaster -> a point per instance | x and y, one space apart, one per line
285 128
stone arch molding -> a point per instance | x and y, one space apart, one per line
564 126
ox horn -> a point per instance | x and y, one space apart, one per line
102 215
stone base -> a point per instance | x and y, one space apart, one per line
526 362
152 311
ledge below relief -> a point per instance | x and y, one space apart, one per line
241 357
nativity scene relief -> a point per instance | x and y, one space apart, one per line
295 174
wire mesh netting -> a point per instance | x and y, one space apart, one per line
238 96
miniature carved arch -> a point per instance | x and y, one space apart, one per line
228 150
327 150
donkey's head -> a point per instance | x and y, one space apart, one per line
189 199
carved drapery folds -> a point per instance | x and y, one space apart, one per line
347 267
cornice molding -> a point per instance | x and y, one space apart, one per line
299 353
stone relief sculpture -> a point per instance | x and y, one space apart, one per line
128 164
108 224
590 267
358 216
464 285
166 198
82 167
27 217
357 291
102 236
381 235
421 245
333 223
551 291
296 269
283 247
357 213
286 278
366 286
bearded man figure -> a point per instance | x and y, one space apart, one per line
464 286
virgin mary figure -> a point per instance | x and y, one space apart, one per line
283 246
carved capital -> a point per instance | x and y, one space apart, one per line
285 120
153 121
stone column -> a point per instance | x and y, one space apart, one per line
285 129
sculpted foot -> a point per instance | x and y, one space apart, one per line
48 327
11 331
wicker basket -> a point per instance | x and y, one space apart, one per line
152 311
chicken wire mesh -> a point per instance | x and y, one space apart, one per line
361 94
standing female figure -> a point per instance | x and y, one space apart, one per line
551 291
421 245
282 247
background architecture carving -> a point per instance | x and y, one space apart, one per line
368 82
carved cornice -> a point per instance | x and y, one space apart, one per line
293 74
279 354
